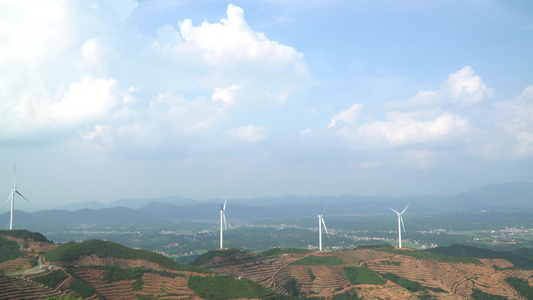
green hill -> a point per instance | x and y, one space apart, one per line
72 251
25 235
522 257
9 250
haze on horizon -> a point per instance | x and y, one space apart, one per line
108 100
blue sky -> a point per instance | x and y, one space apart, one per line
205 99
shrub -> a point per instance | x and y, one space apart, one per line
292 287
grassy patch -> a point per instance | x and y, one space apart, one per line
227 287
412 286
52 278
312 260
118 273
363 275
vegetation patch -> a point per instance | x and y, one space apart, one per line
292 287
52 278
25 235
72 251
277 251
214 253
117 273
363 275
480 295
9 250
312 260
349 295
521 286
412 286
81 288
227 287
196 269
429 254
522 257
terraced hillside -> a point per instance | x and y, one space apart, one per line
103 270
416 274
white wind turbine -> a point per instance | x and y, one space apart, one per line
320 223
222 220
400 220
12 197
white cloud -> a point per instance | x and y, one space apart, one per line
462 89
515 119
230 53
348 116
250 134
402 129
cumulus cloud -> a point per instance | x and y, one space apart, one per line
250 134
401 129
462 89
67 69
230 53
348 116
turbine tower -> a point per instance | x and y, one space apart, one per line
400 220
222 223
12 197
320 223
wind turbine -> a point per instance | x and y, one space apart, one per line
320 223
400 220
222 220
12 196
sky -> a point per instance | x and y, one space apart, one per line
108 100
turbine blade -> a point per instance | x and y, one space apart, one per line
22 196
221 207
325 208
224 208
324 223
401 221
405 208
10 195
395 211
225 225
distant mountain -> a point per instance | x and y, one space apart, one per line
508 197
77 206
138 203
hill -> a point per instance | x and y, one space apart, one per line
372 272
98 269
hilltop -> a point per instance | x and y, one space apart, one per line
97 269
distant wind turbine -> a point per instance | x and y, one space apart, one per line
222 220
400 220
12 197
320 223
